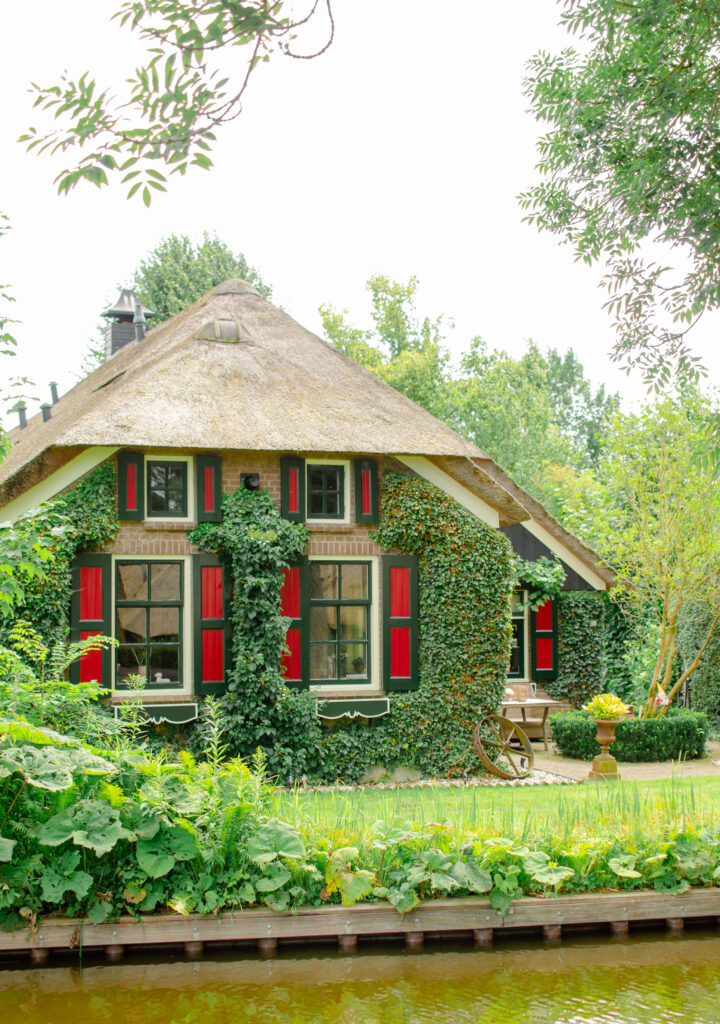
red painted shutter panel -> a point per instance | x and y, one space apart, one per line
366 493
91 615
292 606
400 623
131 484
290 593
543 642
212 628
293 489
209 489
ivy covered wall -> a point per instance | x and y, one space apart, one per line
582 634
84 518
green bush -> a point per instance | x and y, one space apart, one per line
680 733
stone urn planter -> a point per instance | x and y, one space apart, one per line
605 766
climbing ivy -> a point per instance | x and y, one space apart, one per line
543 579
465 577
256 544
581 647
82 519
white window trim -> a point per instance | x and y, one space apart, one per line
187 688
190 477
525 678
347 468
355 688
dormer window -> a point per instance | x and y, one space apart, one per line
167 489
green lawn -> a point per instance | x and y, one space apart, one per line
625 808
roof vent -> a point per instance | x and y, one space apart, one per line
126 322
229 331
46 411
54 391
19 408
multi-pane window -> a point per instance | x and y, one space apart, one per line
148 622
517 643
325 492
339 621
167 489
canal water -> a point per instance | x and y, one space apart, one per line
651 979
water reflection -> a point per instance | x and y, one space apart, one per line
649 980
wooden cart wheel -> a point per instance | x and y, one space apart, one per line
492 739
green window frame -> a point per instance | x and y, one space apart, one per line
341 650
144 610
167 484
325 491
518 615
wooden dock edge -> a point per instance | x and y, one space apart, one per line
612 910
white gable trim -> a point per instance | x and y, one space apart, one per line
429 471
56 482
561 551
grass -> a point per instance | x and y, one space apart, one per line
624 808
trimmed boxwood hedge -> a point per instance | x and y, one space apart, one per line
680 733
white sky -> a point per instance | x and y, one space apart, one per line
400 151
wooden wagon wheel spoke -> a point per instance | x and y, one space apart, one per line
493 735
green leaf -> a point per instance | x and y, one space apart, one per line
272 881
99 912
275 839
93 824
6 848
470 876
624 866
171 844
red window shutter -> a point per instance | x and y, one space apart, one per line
367 508
543 641
292 602
91 615
131 485
211 602
400 623
208 488
292 488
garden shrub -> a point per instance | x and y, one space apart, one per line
581 647
680 733
704 683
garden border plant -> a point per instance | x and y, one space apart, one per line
679 734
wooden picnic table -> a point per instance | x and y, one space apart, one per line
539 704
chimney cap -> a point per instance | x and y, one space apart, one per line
125 305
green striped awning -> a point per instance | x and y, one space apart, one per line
174 714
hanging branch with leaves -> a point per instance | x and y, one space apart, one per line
177 98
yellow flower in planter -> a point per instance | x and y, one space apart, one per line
606 706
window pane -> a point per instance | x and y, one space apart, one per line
130 661
332 480
316 504
353 661
353 623
175 475
323 623
517 605
323 581
164 582
130 625
315 480
322 661
174 503
157 476
157 501
131 582
354 582
165 624
331 504
164 665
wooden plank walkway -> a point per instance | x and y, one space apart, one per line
345 925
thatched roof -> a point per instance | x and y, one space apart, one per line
233 372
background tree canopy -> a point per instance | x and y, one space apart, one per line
538 416
631 156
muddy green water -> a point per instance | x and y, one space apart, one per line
652 980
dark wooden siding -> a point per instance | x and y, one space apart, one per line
530 548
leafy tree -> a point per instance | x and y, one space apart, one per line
656 515
535 415
175 100
630 157
405 352
176 273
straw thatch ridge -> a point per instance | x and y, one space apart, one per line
277 388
